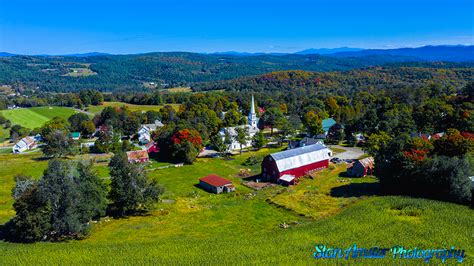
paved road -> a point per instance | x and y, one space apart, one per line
82 111
351 153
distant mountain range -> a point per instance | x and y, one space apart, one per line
457 53
325 51
4 54
88 54
453 53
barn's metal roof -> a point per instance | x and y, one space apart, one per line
295 158
287 178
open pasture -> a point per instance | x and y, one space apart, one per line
133 107
275 225
36 116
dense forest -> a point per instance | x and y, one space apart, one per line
372 79
108 73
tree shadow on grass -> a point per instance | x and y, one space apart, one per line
41 158
356 190
6 233
3 231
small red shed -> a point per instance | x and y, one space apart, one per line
295 162
216 184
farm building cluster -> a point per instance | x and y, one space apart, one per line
301 158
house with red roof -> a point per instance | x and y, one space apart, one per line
137 156
216 184
151 147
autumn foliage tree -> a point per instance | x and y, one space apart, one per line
313 123
413 166
185 145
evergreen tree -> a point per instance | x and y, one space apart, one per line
58 186
32 220
130 191
93 193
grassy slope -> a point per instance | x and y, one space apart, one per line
133 107
36 116
243 227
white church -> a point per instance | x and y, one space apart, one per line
252 129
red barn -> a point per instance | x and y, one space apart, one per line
288 166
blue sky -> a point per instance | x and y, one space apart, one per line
120 26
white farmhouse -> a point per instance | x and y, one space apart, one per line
144 133
252 129
26 143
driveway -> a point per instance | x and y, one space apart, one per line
351 153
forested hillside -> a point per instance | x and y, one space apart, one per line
132 72
396 79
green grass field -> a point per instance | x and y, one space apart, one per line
195 227
36 116
133 107
179 89
80 72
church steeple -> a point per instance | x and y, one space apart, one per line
252 115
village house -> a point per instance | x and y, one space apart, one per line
216 184
361 168
151 147
326 124
144 133
103 129
25 144
140 156
359 137
288 166
293 144
232 132
88 144
75 135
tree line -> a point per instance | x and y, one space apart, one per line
64 202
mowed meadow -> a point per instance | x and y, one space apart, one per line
132 107
35 117
275 225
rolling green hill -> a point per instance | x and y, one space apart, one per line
131 72
194 227
36 116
